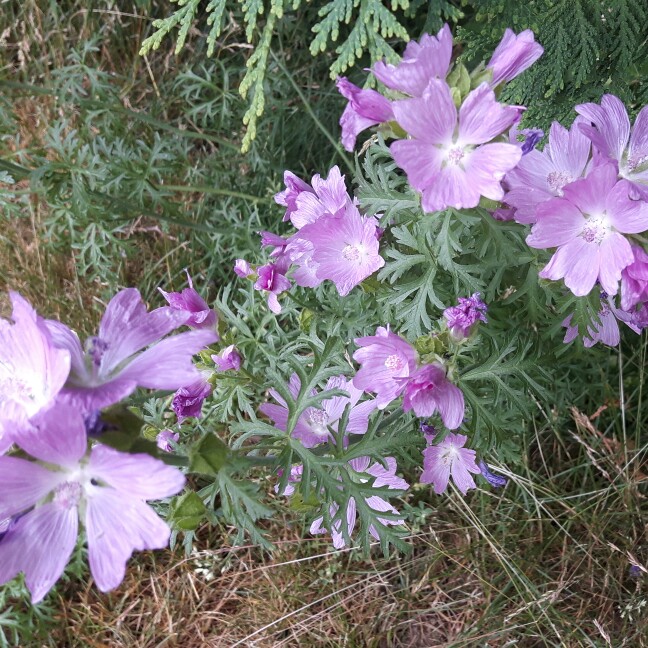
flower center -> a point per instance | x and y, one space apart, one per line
595 229
318 420
635 161
449 455
351 253
556 180
394 362
13 388
67 495
95 348
455 155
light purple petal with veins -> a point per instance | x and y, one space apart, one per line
116 526
611 129
428 390
514 54
366 108
168 364
136 475
57 436
32 370
634 280
385 360
482 118
23 483
422 61
449 458
40 544
197 311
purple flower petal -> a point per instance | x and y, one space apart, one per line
431 118
40 544
116 526
421 163
228 359
449 458
58 436
345 248
428 390
482 118
188 401
385 360
422 61
127 327
168 364
611 129
137 475
197 311
23 484
366 108
32 369
165 438
514 54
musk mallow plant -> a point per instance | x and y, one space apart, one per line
397 327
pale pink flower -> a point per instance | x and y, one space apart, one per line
448 459
449 157
386 360
587 225
428 390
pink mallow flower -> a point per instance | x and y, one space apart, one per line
428 59
313 425
634 280
128 352
228 359
198 313
243 269
462 319
328 196
295 186
428 390
607 329
276 242
386 360
587 226
608 126
272 280
188 401
32 369
448 157
342 249
383 477
165 438
514 54
366 108
542 175
105 490
449 458
294 478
